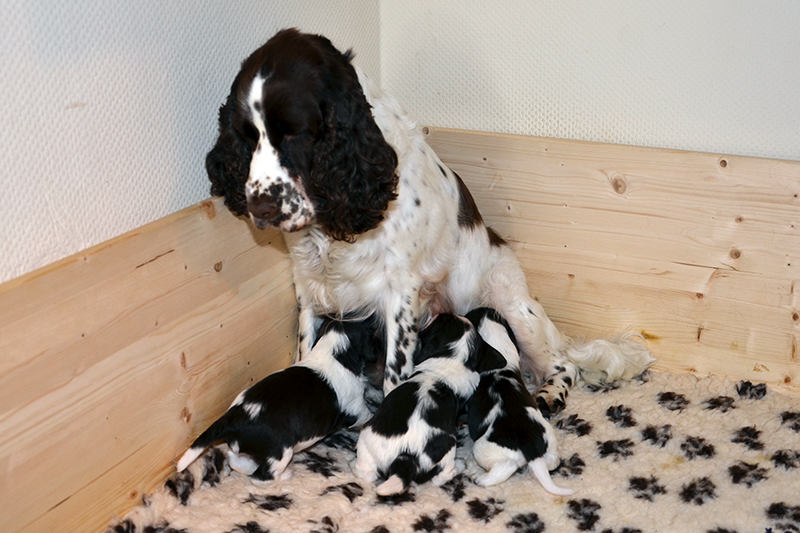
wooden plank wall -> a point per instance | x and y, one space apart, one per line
113 359
698 252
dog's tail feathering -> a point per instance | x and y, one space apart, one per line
541 343
219 430
599 361
602 361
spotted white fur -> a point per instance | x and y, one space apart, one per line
431 252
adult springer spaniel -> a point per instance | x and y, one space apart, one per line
374 221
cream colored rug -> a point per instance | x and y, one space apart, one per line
665 453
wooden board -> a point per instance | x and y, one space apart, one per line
698 252
115 358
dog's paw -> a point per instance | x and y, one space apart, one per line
551 460
370 475
482 480
550 402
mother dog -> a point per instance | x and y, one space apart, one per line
374 221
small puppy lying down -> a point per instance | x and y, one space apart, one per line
412 436
508 430
292 409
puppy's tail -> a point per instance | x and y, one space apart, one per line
219 430
602 361
403 470
539 468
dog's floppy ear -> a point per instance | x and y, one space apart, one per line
228 163
436 338
484 357
353 173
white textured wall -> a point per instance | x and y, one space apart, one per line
109 107
705 75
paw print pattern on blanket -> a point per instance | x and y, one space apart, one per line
683 454
485 510
699 491
646 488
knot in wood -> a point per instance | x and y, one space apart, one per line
619 185
210 210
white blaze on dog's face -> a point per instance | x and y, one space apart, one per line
275 195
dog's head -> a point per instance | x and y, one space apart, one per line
456 337
298 143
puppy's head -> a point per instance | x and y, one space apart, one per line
496 331
456 337
312 148
366 351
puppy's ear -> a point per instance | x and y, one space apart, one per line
228 163
485 358
353 174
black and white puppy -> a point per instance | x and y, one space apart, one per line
412 436
292 409
508 430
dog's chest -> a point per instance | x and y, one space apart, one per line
339 277
348 277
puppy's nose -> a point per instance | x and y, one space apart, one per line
262 206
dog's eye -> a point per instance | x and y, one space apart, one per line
301 138
250 134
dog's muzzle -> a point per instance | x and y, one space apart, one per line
263 209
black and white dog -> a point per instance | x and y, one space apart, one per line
292 409
374 221
412 436
508 430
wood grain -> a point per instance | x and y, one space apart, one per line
114 359
700 252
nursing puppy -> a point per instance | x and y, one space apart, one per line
412 436
508 430
292 409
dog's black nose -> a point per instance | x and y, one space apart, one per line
262 207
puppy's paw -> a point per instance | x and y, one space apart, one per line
551 460
447 473
260 482
482 480
362 471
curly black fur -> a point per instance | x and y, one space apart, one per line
228 163
346 166
353 176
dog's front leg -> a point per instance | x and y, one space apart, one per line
307 324
402 319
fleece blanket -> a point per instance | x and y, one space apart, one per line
664 453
